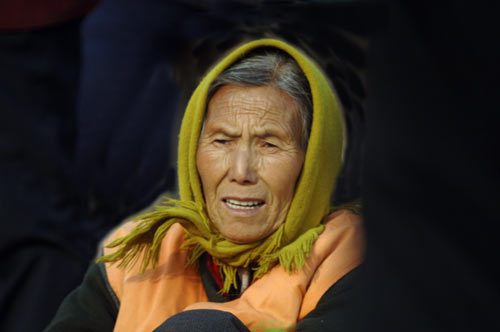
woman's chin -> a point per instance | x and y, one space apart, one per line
243 225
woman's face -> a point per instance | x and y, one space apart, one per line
249 158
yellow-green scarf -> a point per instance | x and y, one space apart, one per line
291 243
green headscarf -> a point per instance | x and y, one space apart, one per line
291 243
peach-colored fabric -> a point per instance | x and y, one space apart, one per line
148 299
278 299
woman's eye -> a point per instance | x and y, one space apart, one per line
221 141
269 145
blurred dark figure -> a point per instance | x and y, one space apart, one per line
432 170
50 225
39 70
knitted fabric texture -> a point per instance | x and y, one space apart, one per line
291 243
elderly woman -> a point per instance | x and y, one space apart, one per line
253 233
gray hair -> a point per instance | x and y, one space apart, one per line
275 68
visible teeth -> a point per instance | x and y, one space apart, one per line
242 204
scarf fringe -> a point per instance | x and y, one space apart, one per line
229 275
145 238
293 256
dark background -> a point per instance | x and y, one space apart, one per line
91 99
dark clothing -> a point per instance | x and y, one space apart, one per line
51 225
90 307
202 321
94 307
431 176
40 250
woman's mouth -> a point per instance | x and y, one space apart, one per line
243 205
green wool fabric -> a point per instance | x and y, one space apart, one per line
292 242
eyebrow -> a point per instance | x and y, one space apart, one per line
269 132
259 132
222 128
225 130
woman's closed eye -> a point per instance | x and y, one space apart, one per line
269 145
222 141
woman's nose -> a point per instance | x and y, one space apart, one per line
243 166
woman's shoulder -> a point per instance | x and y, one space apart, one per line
345 227
338 250
343 217
117 275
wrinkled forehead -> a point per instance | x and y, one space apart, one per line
265 102
265 109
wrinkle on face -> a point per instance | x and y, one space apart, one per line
250 148
262 111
